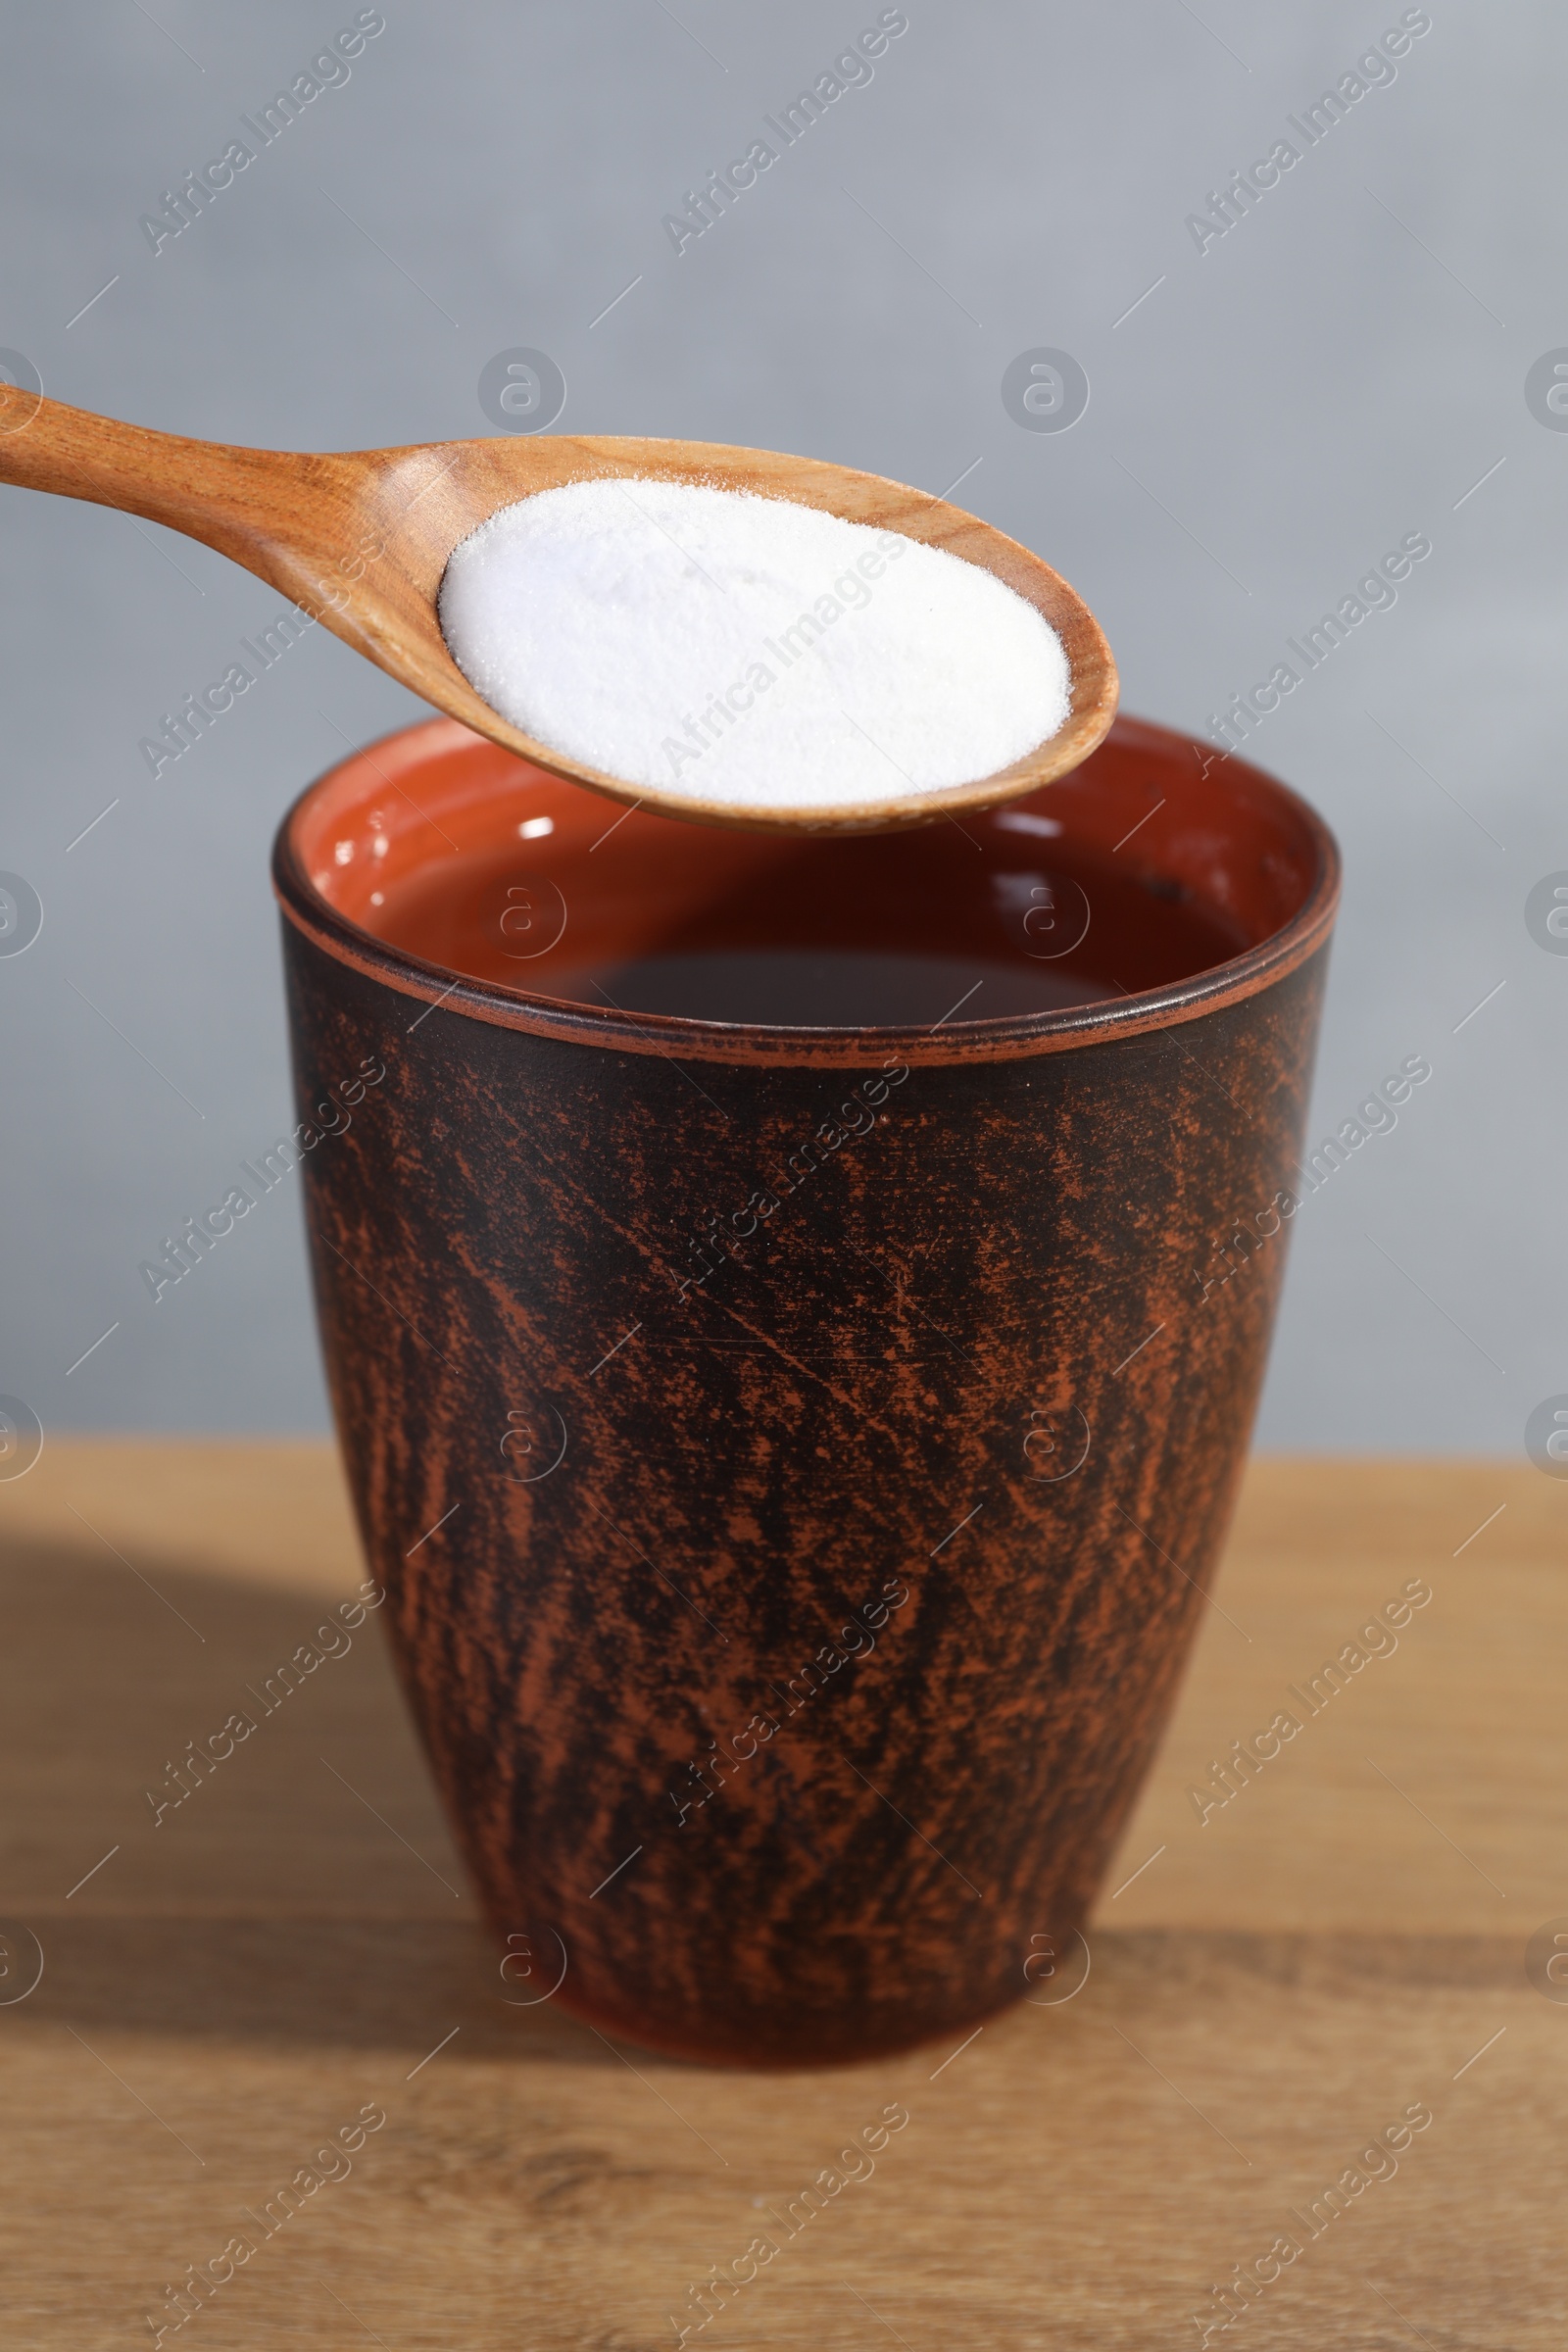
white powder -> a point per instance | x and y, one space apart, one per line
747 650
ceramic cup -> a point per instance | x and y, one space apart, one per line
796 1455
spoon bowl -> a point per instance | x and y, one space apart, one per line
360 539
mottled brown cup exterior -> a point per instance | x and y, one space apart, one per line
790 1640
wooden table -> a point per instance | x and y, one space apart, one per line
225 1989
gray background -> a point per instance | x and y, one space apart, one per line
1336 373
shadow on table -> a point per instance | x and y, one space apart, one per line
308 1893
305 1892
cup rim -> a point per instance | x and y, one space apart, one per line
1011 1036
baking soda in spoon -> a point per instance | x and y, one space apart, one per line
747 651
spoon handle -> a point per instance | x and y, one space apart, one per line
263 507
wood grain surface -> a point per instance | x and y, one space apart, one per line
291 1952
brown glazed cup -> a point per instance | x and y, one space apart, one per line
797 1456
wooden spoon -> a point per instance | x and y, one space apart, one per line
360 539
